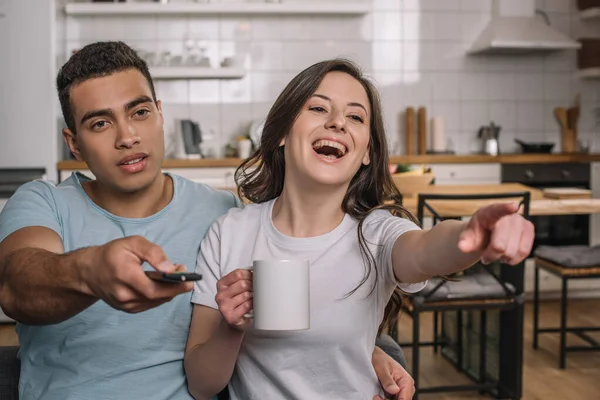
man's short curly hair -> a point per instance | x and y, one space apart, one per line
93 61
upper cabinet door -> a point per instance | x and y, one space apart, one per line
28 118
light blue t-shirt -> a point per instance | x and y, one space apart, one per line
102 353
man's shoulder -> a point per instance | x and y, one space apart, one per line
197 194
44 188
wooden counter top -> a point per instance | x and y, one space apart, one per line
416 159
539 204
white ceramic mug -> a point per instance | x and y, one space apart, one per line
281 295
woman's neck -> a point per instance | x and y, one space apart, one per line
299 212
140 204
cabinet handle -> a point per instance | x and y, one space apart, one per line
529 174
565 173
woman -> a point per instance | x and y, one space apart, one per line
322 191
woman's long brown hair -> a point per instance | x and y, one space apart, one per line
260 178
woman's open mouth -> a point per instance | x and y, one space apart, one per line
329 150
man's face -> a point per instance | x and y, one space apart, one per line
119 130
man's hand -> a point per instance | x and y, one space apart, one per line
499 233
113 272
395 380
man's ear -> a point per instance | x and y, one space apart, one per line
160 111
69 138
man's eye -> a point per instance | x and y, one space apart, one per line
142 113
99 125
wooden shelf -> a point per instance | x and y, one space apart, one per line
414 159
237 8
589 73
590 13
164 73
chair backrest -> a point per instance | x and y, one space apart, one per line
508 274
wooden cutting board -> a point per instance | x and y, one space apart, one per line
567 193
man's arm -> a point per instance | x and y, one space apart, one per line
39 284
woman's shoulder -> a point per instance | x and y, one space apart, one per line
242 216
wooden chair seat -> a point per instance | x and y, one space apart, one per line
565 262
568 271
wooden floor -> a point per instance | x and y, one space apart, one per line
542 379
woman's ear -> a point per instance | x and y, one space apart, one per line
366 159
282 143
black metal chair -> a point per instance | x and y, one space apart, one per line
10 369
481 288
567 263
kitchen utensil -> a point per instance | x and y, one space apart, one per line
489 136
438 135
410 130
422 127
568 141
570 136
561 116
535 147
188 140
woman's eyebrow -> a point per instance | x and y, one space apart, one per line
352 104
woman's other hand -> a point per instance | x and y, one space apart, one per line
234 297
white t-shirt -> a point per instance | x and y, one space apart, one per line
331 360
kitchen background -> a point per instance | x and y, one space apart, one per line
414 49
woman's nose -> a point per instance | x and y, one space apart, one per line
337 121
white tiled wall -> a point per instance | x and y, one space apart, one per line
414 49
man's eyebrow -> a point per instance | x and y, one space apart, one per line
106 112
352 104
137 101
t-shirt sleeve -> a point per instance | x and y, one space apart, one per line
382 229
208 264
32 204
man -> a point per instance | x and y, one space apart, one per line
73 255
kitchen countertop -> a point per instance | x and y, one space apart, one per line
412 159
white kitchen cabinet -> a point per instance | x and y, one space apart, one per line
466 174
221 178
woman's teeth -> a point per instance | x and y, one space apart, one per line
329 149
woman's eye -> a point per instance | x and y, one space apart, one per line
317 109
357 118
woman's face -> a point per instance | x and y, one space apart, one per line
330 138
